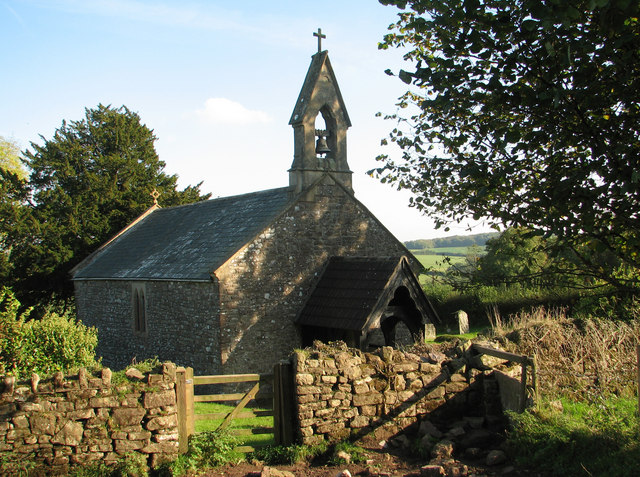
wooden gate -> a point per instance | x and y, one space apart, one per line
279 403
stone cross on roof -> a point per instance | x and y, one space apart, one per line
155 194
320 37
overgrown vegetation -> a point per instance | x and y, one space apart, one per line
53 343
579 357
206 449
147 366
587 421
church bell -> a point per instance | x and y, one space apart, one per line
321 144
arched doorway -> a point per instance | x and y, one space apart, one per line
401 323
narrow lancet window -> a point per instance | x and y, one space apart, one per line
139 310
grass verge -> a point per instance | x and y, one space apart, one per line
566 437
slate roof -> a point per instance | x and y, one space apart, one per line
347 292
186 242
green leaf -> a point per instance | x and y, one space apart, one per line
405 76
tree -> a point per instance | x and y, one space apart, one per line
13 196
87 183
10 158
526 112
515 256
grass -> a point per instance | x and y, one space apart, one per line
459 251
473 332
566 437
253 440
450 337
437 263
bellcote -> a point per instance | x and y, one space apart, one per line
319 112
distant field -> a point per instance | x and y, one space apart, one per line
436 262
462 251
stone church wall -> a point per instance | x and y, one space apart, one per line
181 322
265 285
85 418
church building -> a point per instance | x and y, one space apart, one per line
233 285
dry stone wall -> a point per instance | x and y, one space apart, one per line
342 392
84 418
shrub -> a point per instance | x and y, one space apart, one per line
11 323
53 343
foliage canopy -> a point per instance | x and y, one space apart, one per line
525 112
10 158
92 178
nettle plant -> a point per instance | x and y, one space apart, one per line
44 346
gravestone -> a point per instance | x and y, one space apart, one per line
463 322
429 332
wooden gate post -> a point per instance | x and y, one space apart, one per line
184 398
283 403
523 386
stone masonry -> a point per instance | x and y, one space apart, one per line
265 285
80 419
342 392
174 311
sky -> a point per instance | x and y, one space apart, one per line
216 82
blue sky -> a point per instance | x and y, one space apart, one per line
216 82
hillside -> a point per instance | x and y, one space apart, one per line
453 241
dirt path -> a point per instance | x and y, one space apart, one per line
379 464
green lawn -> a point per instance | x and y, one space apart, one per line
254 440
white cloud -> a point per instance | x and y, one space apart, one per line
225 111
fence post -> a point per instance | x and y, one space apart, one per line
534 379
184 395
277 398
523 386
283 404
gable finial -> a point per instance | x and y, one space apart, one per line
320 37
155 194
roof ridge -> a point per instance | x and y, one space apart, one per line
227 197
